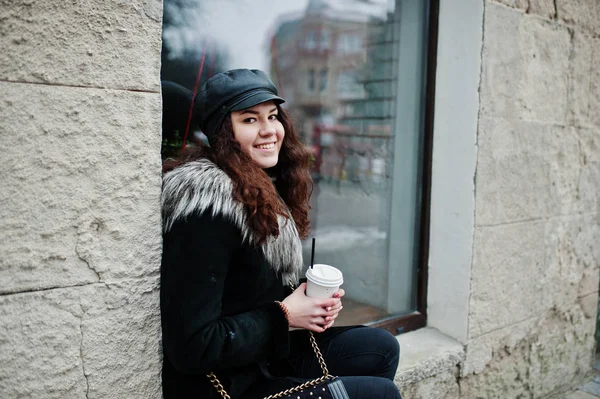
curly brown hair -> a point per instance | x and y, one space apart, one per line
253 186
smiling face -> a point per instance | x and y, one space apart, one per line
259 133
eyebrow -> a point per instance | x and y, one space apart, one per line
250 111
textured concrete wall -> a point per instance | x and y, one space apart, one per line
79 217
534 273
534 281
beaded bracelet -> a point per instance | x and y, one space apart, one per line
285 310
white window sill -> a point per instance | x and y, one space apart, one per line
426 353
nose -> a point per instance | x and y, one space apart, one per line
267 129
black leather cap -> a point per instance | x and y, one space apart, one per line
233 90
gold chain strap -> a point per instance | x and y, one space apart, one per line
221 390
217 384
219 387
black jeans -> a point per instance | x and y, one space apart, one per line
364 358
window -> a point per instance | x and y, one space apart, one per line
349 43
310 42
323 80
369 134
324 39
348 86
310 81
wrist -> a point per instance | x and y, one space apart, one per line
285 310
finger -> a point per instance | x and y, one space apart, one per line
340 293
301 288
324 313
329 302
332 312
316 328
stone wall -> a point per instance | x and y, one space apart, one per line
534 281
80 221
535 255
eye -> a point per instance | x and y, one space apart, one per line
249 120
273 117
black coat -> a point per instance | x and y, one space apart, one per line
218 289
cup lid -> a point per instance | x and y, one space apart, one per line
325 275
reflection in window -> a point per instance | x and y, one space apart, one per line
349 43
324 39
365 205
323 80
348 85
347 114
311 40
310 81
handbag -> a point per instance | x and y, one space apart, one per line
324 387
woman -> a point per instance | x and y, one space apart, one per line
233 215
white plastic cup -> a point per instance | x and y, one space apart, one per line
322 281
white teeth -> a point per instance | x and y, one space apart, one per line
266 146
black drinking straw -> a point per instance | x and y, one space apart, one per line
312 255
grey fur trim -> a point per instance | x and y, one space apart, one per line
196 186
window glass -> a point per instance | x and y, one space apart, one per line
311 40
348 86
324 42
323 80
311 80
349 43
359 108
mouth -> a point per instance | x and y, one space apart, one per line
266 146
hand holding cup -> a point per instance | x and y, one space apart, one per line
314 314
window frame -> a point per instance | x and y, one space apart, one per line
418 318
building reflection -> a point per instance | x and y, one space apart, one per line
334 63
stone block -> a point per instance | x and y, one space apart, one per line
581 73
594 80
429 364
80 192
580 395
508 277
584 14
110 44
525 66
426 353
528 359
481 350
440 386
545 264
564 339
589 306
121 339
526 171
40 345
519 4
572 259
588 179
543 8
94 341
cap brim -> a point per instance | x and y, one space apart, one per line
256 98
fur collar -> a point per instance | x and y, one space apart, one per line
199 185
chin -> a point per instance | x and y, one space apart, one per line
266 164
